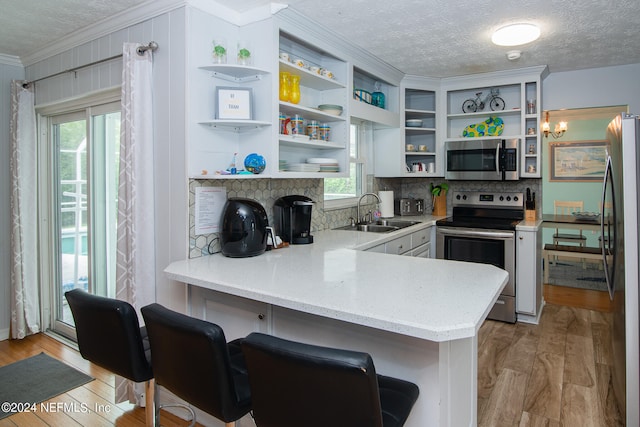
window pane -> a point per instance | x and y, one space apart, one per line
71 171
343 188
87 182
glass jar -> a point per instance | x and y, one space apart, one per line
285 86
313 129
219 51
283 123
325 132
244 53
377 97
294 90
297 125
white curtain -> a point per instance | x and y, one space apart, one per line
135 260
25 299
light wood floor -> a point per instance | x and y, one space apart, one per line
552 374
98 394
556 373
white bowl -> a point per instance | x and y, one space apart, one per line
413 123
336 110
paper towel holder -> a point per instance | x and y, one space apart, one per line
386 203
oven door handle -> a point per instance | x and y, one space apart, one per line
476 233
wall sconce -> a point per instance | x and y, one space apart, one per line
560 129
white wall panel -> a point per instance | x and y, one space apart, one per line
171 176
168 30
595 87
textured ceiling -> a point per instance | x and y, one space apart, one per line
423 37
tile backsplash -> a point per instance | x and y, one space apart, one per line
267 191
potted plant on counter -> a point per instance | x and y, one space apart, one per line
439 194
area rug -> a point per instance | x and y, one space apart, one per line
34 380
572 274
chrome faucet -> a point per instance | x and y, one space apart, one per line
358 217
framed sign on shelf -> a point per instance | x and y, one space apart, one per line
234 103
578 161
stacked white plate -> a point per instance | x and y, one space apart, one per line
326 164
304 167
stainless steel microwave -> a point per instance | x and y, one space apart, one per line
482 160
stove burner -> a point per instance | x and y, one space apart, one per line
485 210
484 223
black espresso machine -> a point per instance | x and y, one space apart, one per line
292 217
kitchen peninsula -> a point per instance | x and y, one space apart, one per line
417 317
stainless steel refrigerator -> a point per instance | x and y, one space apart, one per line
619 223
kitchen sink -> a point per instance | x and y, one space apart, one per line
380 226
396 223
369 228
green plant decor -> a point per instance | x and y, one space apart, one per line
439 189
244 53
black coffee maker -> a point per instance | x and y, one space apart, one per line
292 217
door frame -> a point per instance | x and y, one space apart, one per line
93 104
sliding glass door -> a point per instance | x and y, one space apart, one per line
84 156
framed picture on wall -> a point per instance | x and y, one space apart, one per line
234 103
577 160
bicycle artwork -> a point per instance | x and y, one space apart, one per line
477 104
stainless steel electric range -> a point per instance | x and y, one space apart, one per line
482 229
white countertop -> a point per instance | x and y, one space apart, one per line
431 299
529 225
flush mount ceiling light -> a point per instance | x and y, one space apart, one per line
515 34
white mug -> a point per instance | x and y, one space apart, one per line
410 147
432 168
422 148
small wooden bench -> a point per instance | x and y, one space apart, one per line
581 252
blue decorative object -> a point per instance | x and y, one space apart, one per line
254 163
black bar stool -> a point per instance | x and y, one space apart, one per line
191 359
295 384
110 336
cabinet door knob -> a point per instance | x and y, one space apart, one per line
261 316
521 238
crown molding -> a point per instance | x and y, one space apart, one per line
234 17
135 15
291 19
10 60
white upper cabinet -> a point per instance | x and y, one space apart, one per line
511 99
313 131
235 107
374 99
413 151
229 110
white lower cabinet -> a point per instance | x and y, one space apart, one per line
529 275
417 244
423 251
238 317
398 246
